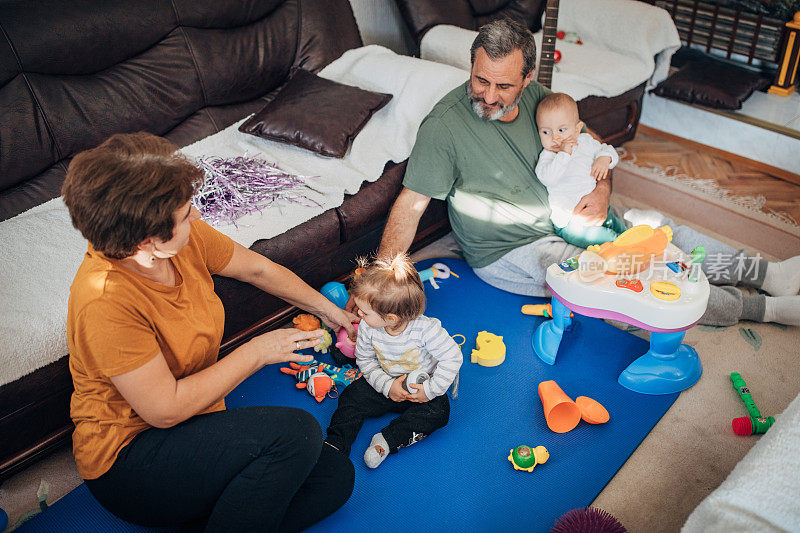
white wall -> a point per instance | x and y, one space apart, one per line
380 23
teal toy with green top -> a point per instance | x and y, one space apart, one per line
755 424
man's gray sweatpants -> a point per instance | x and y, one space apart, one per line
522 271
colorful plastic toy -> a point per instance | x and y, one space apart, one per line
562 414
489 349
657 299
633 284
436 270
525 457
345 345
755 424
592 411
415 377
545 310
335 292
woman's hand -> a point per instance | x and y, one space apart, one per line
336 318
278 346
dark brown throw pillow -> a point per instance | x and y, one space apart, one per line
711 84
316 114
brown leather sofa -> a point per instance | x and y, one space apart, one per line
614 119
73 73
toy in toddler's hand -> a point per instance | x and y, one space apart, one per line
307 322
525 457
415 377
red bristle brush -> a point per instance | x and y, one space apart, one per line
587 520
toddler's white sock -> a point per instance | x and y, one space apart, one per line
783 278
783 310
648 217
378 451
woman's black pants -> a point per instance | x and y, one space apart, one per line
246 469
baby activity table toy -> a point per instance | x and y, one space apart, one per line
642 279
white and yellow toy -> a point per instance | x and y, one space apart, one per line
640 278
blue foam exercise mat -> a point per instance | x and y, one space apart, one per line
459 478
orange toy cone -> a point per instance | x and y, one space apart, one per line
561 413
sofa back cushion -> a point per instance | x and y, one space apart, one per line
74 73
422 15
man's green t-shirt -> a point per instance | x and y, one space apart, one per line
485 169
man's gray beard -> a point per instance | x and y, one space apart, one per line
501 110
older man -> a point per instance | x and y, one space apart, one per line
478 148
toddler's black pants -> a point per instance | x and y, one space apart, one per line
359 401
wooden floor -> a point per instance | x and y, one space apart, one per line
740 176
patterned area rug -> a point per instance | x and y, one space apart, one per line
703 202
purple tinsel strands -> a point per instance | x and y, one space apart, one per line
237 186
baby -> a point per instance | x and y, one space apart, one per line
570 166
395 339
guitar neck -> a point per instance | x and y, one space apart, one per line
545 76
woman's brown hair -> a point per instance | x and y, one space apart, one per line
127 190
390 286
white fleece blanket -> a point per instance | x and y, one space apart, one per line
762 494
625 43
42 251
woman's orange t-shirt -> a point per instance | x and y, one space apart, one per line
117 321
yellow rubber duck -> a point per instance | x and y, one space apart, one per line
489 349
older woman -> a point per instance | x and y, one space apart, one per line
152 437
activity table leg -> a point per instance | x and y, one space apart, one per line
666 368
547 336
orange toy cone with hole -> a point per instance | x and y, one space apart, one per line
560 412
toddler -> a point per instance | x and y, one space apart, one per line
394 339
569 166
